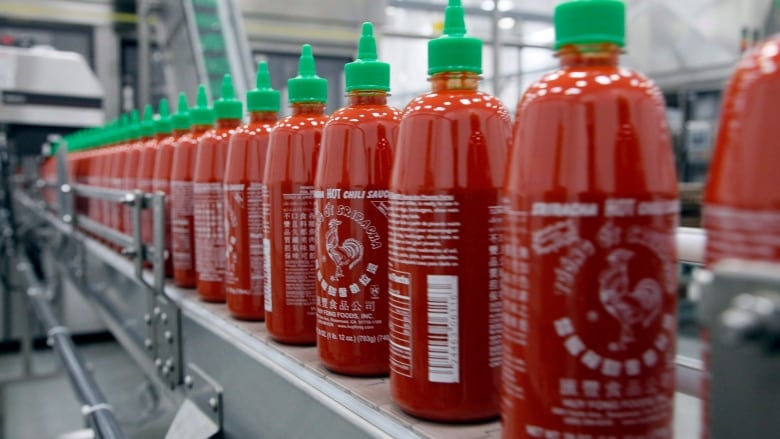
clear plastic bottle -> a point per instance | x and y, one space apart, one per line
182 174
288 186
590 270
163 168
208 197
444 228
244 282
350 192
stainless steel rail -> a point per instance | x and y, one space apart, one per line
95 406
115 237
101 193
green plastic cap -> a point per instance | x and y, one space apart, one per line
147 126
201 113
121 128
366 72
264 97
163 124
133 126
181 119
454 51
307 86
590 21
228 107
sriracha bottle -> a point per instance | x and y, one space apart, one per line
146 163
132 160
208 197
444 229
244 201
132 132
182 171
742 197
179 123
350 199
590 269
288 209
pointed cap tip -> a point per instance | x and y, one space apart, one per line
163 123
183 105
201 113
181 119
163 109
367 43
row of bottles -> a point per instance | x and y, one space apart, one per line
528 270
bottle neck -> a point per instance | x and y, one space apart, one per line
228 123
178 132
367 97
262 116
589 55
199 129
454 81
308 108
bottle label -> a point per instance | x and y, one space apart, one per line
351 265
268 303
182 224
209 231
741 233
244 239
296 224
400 323
147 215
129 184
115 212
164 186
590 317
432 239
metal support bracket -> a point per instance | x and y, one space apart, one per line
200 416
164 340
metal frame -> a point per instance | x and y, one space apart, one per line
95 408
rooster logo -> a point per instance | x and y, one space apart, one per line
343 254
629 307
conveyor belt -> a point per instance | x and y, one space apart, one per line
268 389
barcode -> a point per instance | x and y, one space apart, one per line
443 343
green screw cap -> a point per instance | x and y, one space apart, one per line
181 119
307 86
264 97
590 21
228 107
147 126
454 51
366 72
133 126
201 113
163 124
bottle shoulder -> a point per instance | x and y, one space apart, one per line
590 83
453 103
252 129
298 123
359 114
